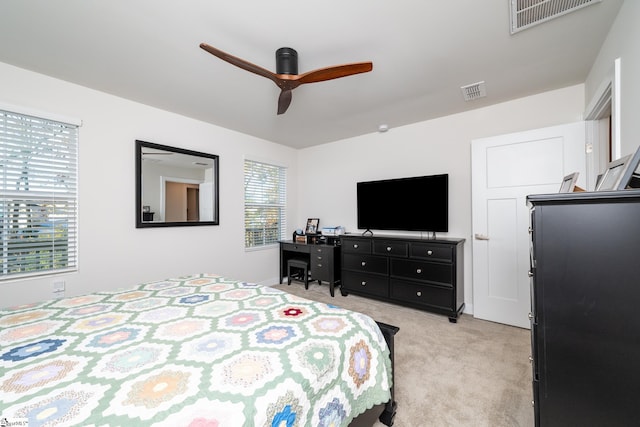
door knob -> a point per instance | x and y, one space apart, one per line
481 236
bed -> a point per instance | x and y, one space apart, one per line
200 350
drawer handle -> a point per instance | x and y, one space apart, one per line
419 271
319 265
355 246
364 263
429 252
319 257
363 283
388 248
419 293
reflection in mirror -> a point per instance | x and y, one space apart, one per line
175 187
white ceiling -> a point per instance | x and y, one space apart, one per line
422 51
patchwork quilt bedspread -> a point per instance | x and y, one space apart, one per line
193 351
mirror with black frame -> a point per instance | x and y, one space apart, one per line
175 187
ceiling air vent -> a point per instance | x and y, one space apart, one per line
527 13
474 91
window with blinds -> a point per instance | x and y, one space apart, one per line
38 202
265 190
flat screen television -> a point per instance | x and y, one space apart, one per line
418 203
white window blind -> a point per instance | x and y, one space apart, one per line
265 190
38 201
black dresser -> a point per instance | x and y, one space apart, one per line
585 329
421 273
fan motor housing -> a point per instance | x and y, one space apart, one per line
286 61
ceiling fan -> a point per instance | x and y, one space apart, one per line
286 76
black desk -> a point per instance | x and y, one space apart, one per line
324 261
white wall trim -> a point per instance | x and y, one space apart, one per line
600 104
616 111
41 114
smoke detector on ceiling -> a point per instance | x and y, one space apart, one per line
527 13
474 91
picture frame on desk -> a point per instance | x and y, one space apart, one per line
613 175
630 177
569 183
312 226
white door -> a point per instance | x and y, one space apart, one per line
505 169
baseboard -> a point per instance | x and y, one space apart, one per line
468 309
269 282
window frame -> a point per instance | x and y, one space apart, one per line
46 213
268 206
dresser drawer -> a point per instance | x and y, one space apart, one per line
366 263
322 262
322 250
391 248
432 252
295 247
423 271
426 295
321 270
356 246
320 257
370 284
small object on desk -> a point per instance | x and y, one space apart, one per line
332 231
313 239
312 225
300 238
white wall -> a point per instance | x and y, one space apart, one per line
623 41
113 253
328 185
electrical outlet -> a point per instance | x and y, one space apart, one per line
57 289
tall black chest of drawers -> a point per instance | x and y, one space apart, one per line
421 273
585 329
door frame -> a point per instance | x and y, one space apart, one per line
522 218
163 189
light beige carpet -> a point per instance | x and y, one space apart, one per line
469 373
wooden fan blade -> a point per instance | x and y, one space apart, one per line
284 101
334 72
241 63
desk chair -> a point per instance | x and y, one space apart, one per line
298 269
